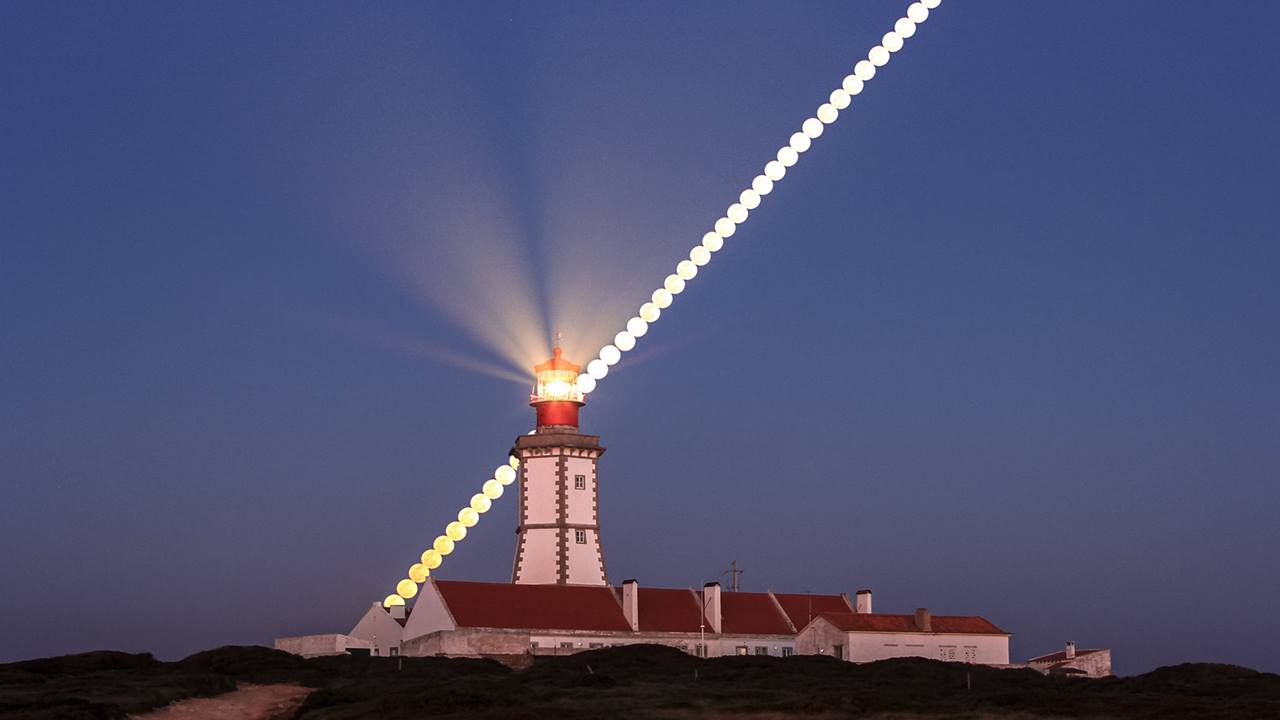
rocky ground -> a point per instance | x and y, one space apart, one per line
635 682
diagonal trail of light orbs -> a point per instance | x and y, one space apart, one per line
685 271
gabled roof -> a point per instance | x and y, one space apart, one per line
1061 655
744 613
522 607
801 609
667 610
879 622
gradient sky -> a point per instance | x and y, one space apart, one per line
1005 342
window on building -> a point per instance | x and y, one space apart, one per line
580 537
946 652
742 649
375 652
579 482
566 646
788 651
701 650
837 651
595 645
971 653
762 649
533 645
393 652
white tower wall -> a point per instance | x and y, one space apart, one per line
558 535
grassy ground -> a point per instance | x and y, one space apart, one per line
638 682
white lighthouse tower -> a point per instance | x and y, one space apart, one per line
558 535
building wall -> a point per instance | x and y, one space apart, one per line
379 629
319 645
540 490
821 637
581 508
429 613
1095 664
538 557
482 641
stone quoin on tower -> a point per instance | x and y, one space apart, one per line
558 526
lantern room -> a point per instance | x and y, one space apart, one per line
555 395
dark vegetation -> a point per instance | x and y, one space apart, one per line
635 682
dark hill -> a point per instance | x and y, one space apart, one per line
641 681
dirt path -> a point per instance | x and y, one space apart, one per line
247 702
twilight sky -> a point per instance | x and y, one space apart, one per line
1003 343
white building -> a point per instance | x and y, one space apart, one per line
559 599
1093 663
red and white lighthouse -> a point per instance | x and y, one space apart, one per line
558 530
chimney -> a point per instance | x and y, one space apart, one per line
631 603
924 620
862 602
1071 650
711 605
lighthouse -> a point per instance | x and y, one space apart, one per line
558 526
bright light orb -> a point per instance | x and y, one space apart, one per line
724 228
699 256
905 28
393 600
774 170
406 588
839 99
878 56
492 489
812 127
455 531
505 474
892 41
468 517
610 355
750 199
736 213
917 12
800 142
514 462
637 326
712 242
418 573
481 503
864 70
625 341
787 156
852 84
827 113
686 270
443 545
431 559
586 384
597 369
674 285
762 185
931 4
662 297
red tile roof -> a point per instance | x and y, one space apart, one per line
802 608
878 622
665 610
522 607
750 614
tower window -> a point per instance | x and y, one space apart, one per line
580 537
579 482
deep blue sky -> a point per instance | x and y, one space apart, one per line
1003 343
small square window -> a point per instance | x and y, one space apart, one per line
762 650
838 652
742 649
788 652
580 537
579 482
